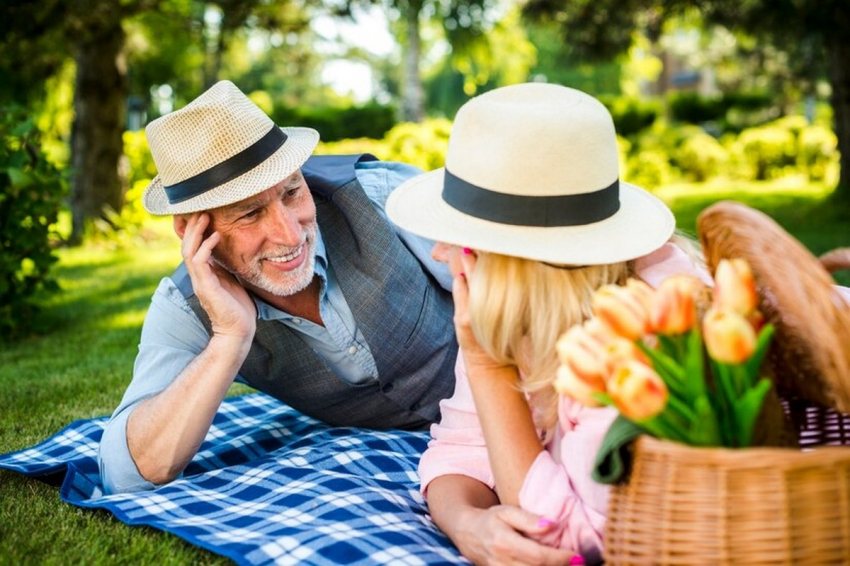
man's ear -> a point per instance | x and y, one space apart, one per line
180 221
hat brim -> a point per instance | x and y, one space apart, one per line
299 146
642 225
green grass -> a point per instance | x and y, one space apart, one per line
81 366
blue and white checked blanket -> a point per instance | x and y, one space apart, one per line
269 486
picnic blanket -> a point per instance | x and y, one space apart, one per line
269 486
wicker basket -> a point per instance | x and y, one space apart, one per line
684 505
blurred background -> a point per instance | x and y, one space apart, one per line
711 99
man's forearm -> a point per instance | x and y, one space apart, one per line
165 431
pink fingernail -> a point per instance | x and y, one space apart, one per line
544 523
462 274
577 559
466 251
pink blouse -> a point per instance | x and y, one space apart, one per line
558 485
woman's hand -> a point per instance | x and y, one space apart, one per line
503 535
230 308
463 268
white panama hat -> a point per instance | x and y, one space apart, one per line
532 171
219 149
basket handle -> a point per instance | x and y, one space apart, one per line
836 260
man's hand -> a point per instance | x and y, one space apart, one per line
230 308
501 535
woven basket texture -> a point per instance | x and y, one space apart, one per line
685 505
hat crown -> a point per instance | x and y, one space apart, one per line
217 125
534 139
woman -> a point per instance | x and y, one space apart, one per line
531 218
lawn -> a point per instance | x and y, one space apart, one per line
80 367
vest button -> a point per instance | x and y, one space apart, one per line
352 350
387 387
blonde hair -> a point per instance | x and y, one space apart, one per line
520 307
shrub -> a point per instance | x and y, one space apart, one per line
31 193
693 108
648 168
334 124
423 145
631 115
817 149
378 148
700 156
766 150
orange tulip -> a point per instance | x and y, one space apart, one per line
584 354
641 291
673 308
569 384
620 350
638 392
621 310
735 287
729 337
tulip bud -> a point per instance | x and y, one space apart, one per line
641 291
584 354
638 392
567 383
734 287
729 337
620 350
620 309
673 307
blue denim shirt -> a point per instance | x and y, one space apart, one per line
172 336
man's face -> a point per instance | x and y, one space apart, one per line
269 240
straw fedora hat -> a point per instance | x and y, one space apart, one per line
220 149
532 171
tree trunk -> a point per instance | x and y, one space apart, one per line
100 95
838 48
412 105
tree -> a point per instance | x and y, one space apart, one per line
38 37
91 31
605 28
463 23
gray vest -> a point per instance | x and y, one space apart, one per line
404 314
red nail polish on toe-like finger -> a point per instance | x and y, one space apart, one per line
576 560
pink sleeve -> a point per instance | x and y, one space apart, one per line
457 442
666 261
559 484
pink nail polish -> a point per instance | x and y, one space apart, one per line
545 523
577 559
467 251
461 274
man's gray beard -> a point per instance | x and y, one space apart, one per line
295 281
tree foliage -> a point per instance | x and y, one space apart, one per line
31 193
809 31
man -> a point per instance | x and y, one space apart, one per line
292 281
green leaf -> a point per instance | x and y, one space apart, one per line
705 429
19 178
753 365
695 365
669 369
748 409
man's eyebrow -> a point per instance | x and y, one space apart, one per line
243 206
294 180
